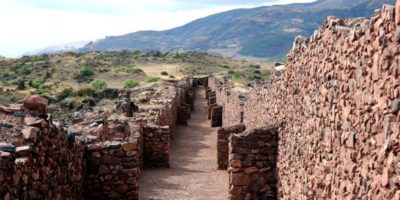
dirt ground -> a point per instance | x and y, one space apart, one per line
193 158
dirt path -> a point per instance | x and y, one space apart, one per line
193 159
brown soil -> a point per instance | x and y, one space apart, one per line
193 158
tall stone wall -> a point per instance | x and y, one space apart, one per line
252 164
223 144
337 105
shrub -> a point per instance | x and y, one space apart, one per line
15 69
127 69
235 77
257 76
151 79
85 71
256 72
5 74
26 70
66 92
98 84
171 76
84 92
131 83
37 84
164 73
225 66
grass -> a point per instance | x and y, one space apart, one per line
151 79
131 83
86 71
127 69
98 84
37 84
164 73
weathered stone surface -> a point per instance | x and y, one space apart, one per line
336 105
30 133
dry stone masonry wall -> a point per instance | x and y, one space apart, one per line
223 144
38 160
337 108
98 156
252 164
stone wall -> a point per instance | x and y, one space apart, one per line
113 170
157 140
252 164
38 160
337 105
98 157
223 144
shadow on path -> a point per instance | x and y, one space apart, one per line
193 158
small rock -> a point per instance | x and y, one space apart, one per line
30 133
21 161
396 106
129 146
103 170
32 121
7 147
236 163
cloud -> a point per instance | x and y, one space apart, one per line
33 24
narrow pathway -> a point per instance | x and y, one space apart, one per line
193 158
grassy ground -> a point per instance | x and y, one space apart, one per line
50 75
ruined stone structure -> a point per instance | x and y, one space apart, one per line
252 163
98 156
337 109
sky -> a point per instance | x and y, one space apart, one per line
28 25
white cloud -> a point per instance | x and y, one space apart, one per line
27 26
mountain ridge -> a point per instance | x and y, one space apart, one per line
261 32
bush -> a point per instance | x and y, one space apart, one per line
151 79
131 83
84 92
164 73
171 76
98 84
235 77
257 76
225 66
65 93
37 84
5 74
85 71
26 70
127 69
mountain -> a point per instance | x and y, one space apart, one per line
58 48
263 32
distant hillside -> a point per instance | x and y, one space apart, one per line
264 32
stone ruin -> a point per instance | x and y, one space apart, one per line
98 156
328 126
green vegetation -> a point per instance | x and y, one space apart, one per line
164 73
86 71
235 77
131 83
5 74
37 84
127 69
225 66
66 92
84 92
98 84
171 76
26 70
151 79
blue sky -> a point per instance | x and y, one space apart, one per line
32 24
